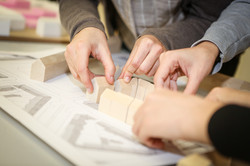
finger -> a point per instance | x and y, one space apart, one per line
173 85
150 60
82 62
167 83
135 63
192 84
162 72
137 125
154 69
155 143
128 61
68 54
108 64
137 120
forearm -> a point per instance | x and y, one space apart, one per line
194 127
229 131
231 33
180 34
78 14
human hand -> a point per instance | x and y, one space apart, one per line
229 96
89 41
143 58
195 63
172 115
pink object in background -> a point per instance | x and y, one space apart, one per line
33 14
15 4
36 13
31 23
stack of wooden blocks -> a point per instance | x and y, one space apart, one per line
120 100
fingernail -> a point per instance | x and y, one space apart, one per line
89 91
126 79
112 78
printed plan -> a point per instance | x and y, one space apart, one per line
58 112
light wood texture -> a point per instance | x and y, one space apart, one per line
115 104
126 88
49 27
195 160
17 21
132 110
143 89
5 26
49 67
100 84
30 35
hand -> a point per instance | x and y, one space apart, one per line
89 41
172 115
229 96
143 58
196 63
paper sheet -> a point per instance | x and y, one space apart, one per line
56 112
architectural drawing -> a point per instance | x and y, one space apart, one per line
25 97
84 131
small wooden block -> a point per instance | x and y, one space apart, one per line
195 160
126 88
115 104
143 89
49 27
100 84
5 26
17 21
49 67
132 110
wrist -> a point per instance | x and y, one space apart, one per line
196 127
210 49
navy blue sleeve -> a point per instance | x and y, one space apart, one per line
229 131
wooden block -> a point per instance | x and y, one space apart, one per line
115 104
17 21
133 107
100 84
143 89
126 88
49 27
49 67
5 26
195 160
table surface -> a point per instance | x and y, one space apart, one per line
19 146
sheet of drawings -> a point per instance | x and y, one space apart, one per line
58 112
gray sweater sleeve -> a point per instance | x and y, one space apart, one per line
231 32
76 15
199 16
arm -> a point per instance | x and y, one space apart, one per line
171 115
229 96
80 18
233 37
231 32
195 63
200 14
229 131
76 15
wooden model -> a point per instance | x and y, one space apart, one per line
126 88
100 84
49 67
